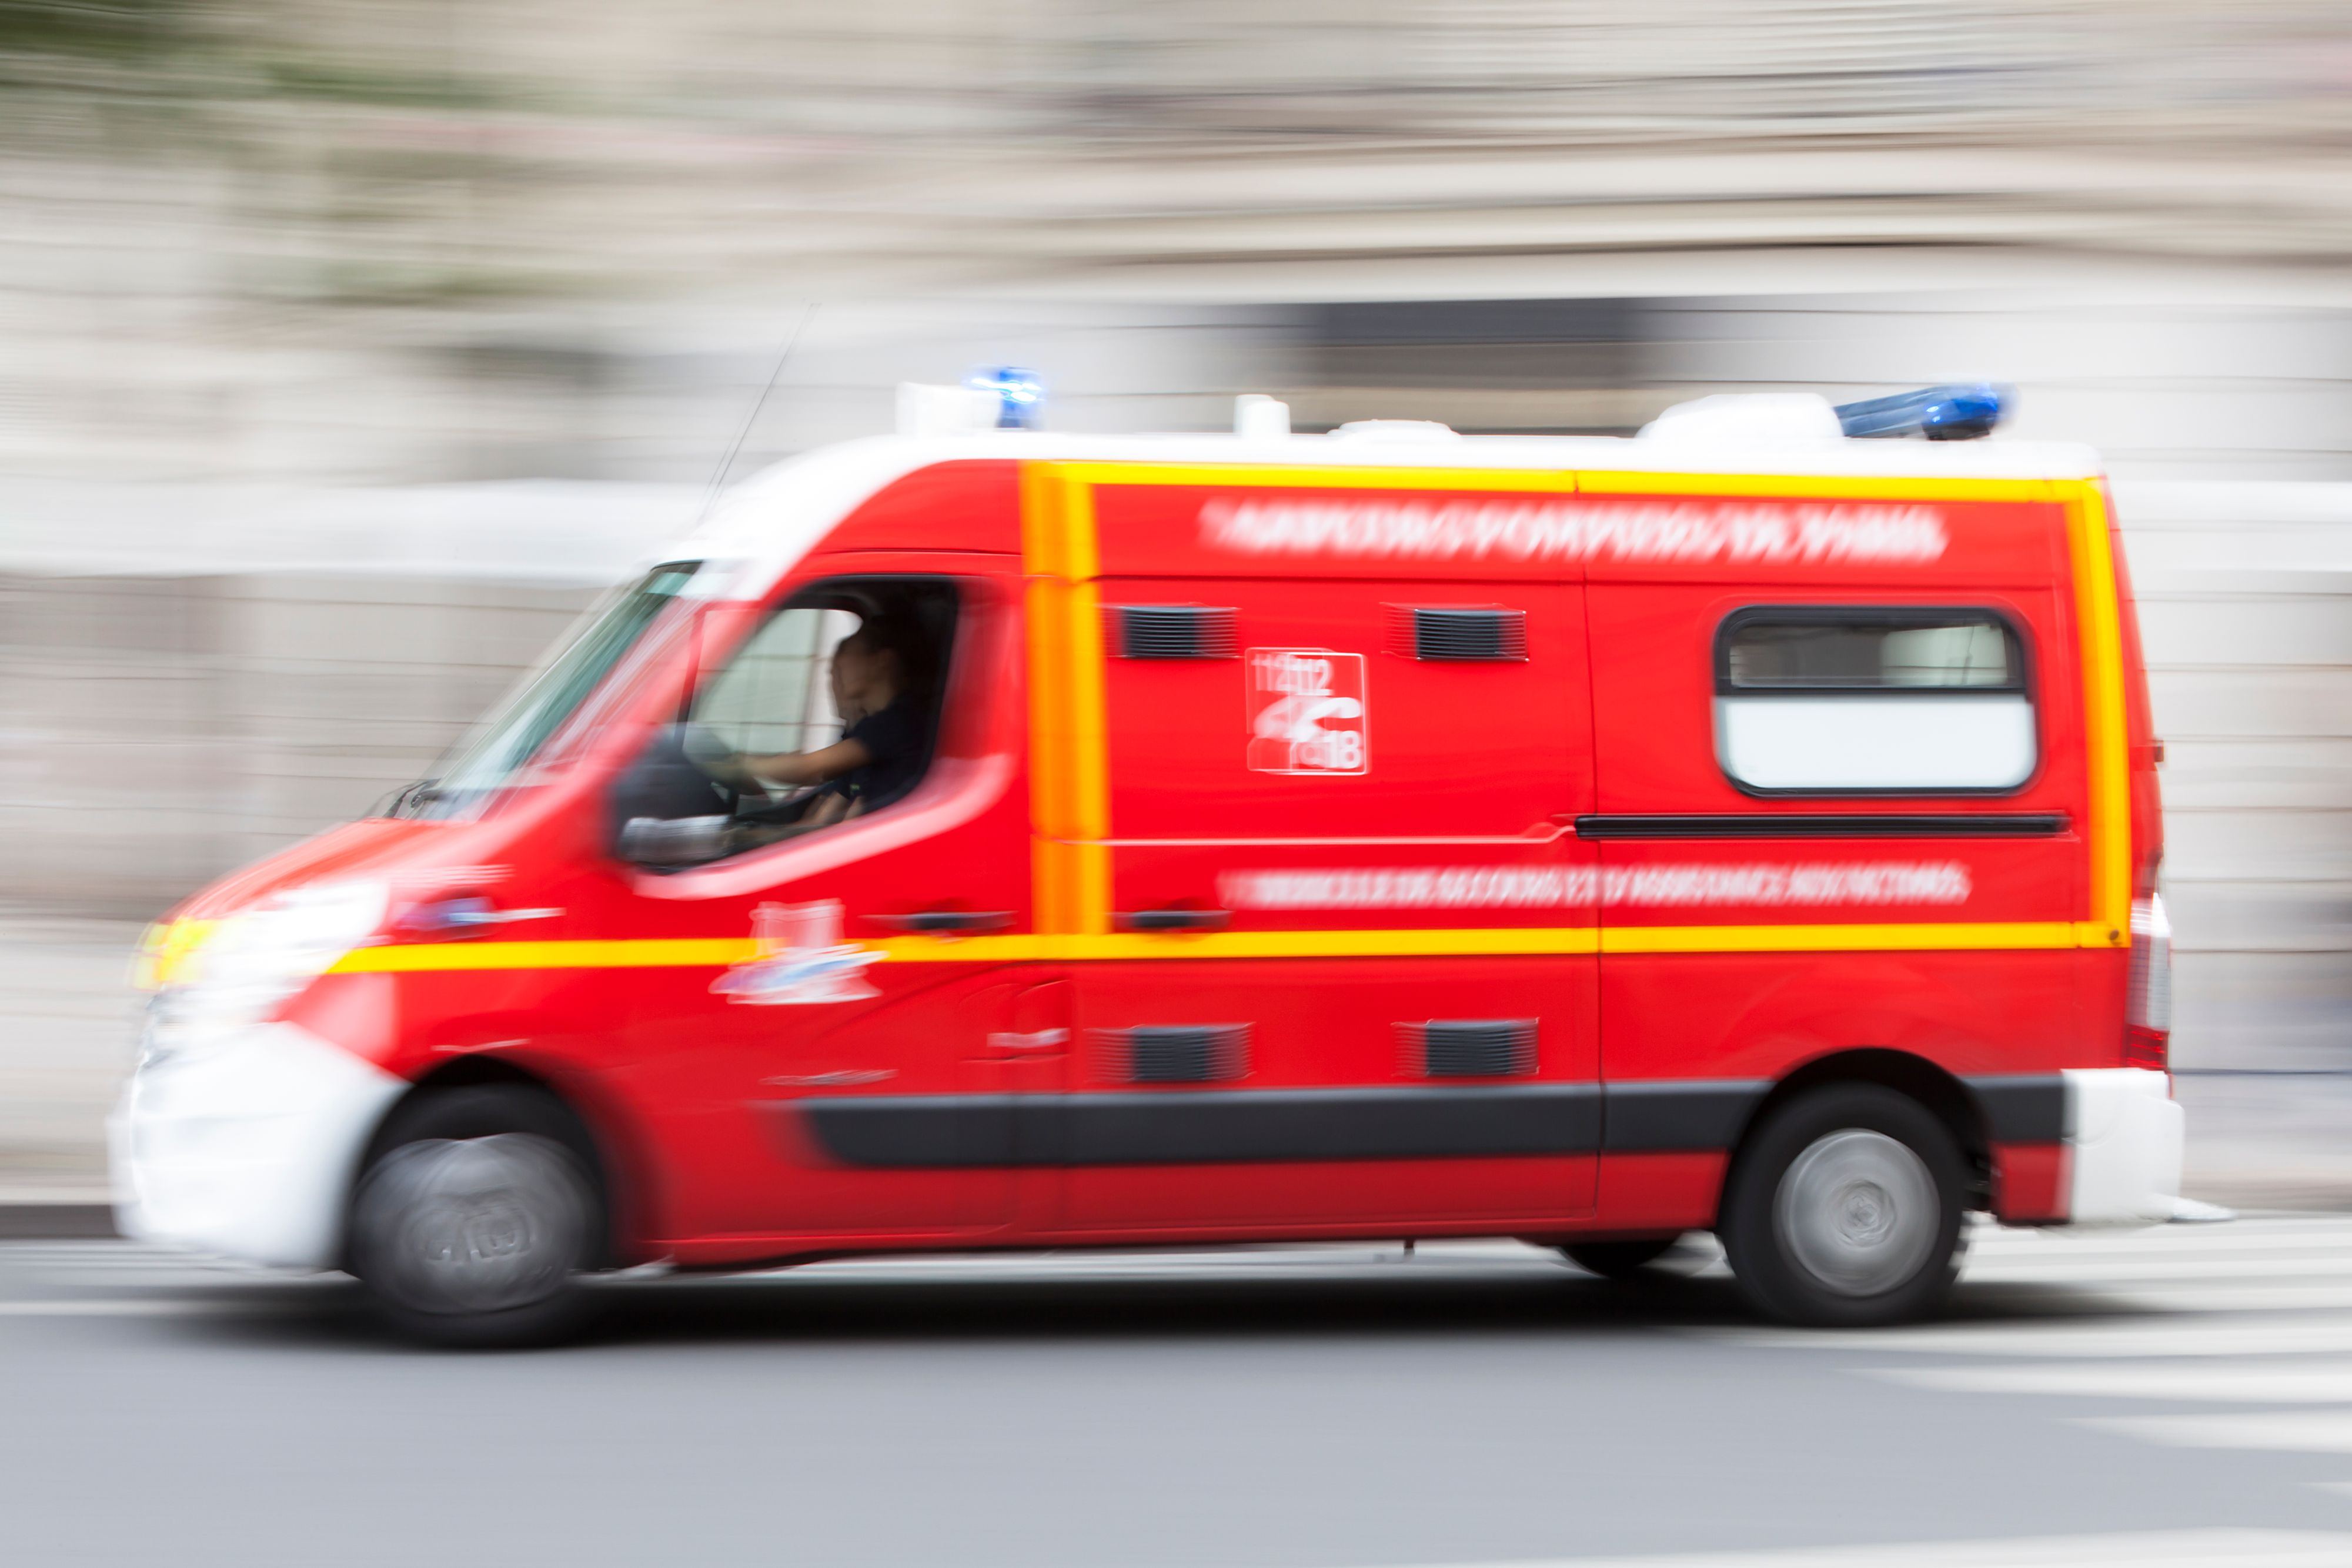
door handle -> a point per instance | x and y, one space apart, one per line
1036 1039
449 919
1176 919
934 921
845 1078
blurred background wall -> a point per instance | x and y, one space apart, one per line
346 345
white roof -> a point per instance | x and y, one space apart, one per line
772 518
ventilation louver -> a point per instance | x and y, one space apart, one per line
1468 634
1172 631
1470 1048
1173 1053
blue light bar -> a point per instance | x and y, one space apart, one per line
1020 395
1939 414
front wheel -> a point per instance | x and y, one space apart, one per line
478 1222
1843 1209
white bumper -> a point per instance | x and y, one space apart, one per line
2124 1136
248 1149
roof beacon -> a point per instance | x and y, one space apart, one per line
1020 395
1958 412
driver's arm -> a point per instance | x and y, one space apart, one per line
795 768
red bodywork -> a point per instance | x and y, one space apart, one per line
1339 928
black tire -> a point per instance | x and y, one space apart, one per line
477 1218
1618 1260
1843 1209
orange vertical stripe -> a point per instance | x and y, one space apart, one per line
1070 790
2099 622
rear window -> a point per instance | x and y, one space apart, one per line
1845 700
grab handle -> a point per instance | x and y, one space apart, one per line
1176 920
933 922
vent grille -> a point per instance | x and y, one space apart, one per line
1466 634
1173 631
1469 1047
1173 1053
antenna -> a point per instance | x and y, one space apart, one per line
726 464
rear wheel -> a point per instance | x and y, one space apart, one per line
1843 1208
1619 1260
478 1219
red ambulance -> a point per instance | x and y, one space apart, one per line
1739 828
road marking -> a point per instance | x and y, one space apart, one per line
2169 1549
2302 1431
2124 1271
2263 1382
2250 1336
2238 1309
123 1306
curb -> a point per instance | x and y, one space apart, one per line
56 1222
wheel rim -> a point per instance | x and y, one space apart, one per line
1857 1211
478 1225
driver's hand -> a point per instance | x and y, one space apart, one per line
705 748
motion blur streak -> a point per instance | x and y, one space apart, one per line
350 345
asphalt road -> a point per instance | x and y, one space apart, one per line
2178 1395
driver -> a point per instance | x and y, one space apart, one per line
876 686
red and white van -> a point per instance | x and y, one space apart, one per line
1381 834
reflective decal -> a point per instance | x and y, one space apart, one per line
1572 528
1611 887
1306 711
799 959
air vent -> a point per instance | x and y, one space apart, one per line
1173 1054
1468 634
1172 631
1469 1047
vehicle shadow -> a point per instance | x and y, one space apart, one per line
809 1307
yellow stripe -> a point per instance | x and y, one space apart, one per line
2099 621
1825 486
1057 523
1331 943
1555 480
1830 486
1954 936
1079 947
1069 789
624 952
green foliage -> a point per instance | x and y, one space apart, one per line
102 30
335 80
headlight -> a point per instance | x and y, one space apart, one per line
253 960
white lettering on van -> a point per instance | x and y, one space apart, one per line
1571 528
1767 887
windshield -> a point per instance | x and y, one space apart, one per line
487 759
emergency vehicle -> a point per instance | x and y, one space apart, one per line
1741 827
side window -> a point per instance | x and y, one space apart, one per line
775 695
828 711
1848 700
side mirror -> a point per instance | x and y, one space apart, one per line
665 811
667 844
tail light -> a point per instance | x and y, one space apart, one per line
2148 1011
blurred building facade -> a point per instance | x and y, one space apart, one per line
346 345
